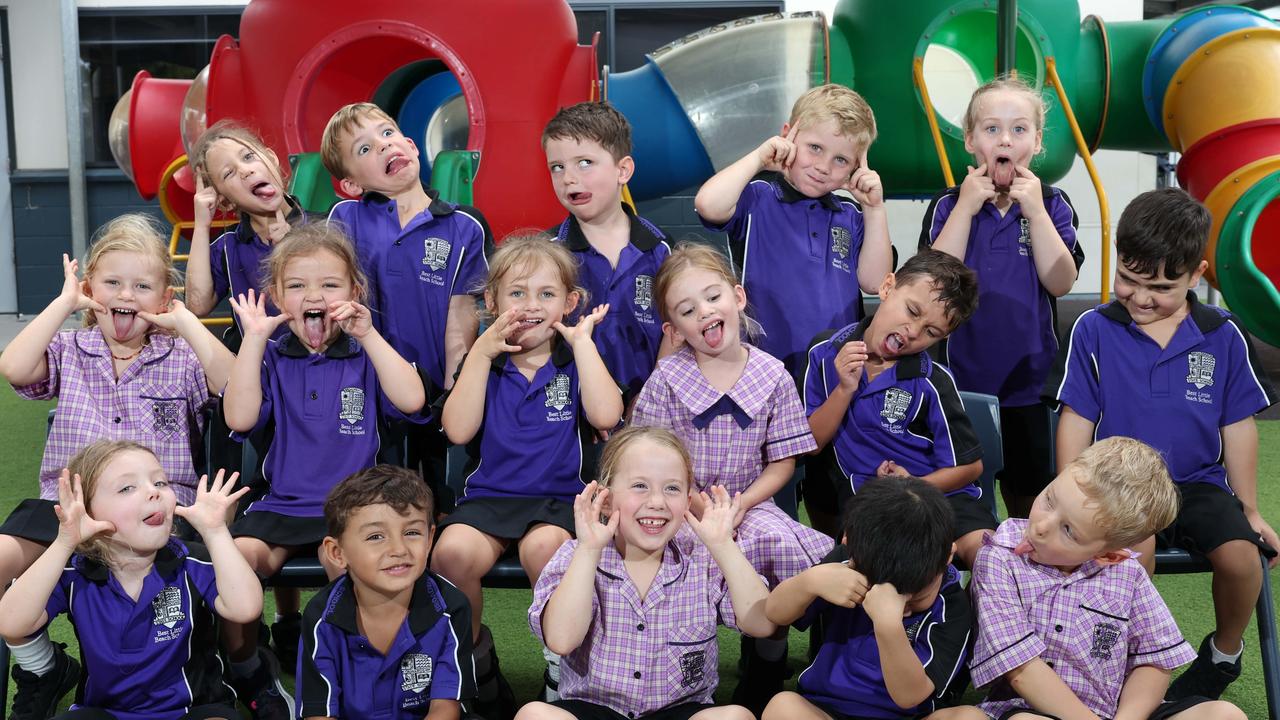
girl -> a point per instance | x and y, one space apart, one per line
124 376
143 603
1020 238
737 410
520 400
640 593
325 385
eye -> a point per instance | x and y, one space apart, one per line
933 333
673 489
226 173
387 132
112 283
126 489
363 149
556 168
841 160
331 284
713 297
1066 530
293 285
516 293
639 486
374 537
161 483
548 294
686 311
249 156
144 286
585 163
413 533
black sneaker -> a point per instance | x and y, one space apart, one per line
284 640
1205 677
760 681
262 693
503 704
37 696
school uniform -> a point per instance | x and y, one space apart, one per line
731 437
237 260
630 336
151 658
846 679
1008 345
341 675
1092 626
650 656
799 262
911 413
1176 399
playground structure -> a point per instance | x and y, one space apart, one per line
1205 84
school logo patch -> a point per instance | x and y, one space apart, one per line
913 630
1024 236
415 673
352 405
1200 369
644 291
166 608
166 416
435 253
896 402
558 392
1105 637
693 668
841 239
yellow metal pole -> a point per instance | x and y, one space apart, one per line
917 74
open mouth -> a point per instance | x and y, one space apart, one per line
122 321
714 333
396 164
155 519
397 570
651 525
313 325
1002 172
579 198
894 343
264 191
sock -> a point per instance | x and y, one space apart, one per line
771 649
482 655
553 666
246 668
1221 657
34 656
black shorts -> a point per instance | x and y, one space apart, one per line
1027 440
822 477
426 450
199 712
584 710
971 514
510 518
837 715
35 520
1165 710
304 533
1209 517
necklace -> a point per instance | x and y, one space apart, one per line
135 354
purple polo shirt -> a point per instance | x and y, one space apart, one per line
644 653
910 414
326 409
530 441
1015 313
237 257
629 337
150 658
414 271
159 401
846 674
799 262
341 674
1093 627
1176 399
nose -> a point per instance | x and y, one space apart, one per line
398 546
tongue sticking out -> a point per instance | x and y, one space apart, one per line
265 191
1002 174
155 519
396 165
1023 548
123 323
313 325
893 344
714 334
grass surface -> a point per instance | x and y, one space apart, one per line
22 442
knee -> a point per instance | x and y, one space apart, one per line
536 711
537 549
784 705
457 561
1219 710
1237 559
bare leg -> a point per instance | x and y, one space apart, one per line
463 554
1237 579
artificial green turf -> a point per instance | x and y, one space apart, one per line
22 426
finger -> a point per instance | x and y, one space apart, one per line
614 518
981 170
95 305
280 217
791 154
1023 171
862 160
791 134
199 180
231 481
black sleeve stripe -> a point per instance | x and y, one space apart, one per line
926 226
489 245
1077 252
788 439
1260 378
1057 378
1167 648
964 441
949 643
1104 614
1003 650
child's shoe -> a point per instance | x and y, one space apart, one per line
285 633
37 696
1205 677
495 700
262 692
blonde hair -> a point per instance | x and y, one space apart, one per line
621 441
344 121
227 129
698 256
309 239
1006 83
136 233
89 464
1130 485
847 108
519 254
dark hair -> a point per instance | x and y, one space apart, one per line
379 485
1163 226
597 121
955 283
899 530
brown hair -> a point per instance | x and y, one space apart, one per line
1006 83
309 239
89 464
137 233
697 256
398 487
519 253
619 442
1130 485
954 282
227 129
342 122
847 108
599 122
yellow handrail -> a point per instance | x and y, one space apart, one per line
178 257
917 74
1104 210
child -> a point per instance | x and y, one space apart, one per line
588 148
888 409
1157 365
123 376
1069 625
386 639
1020 237
632 605
736 409
896 618
526 394
794 237
325 386
142 602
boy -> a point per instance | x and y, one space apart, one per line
896 618
1157 365
588 148
804 253
873 392
1069 626
387 639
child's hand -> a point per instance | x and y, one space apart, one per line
719 516
889 468
1265 530
777 153
1026 191
171 318
582 331
838 584
587 509
865 185
278 228
696 504
206 202
74 524
354 318
72 294
213 505
976 189
493 341
849 362
252 311
884 604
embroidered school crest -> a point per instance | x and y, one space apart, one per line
644 291
841 238
166 608
558 391
913 630
1024 231
415 673
1200 369
896 402
693 668
352 405
1105 637
435 253
166 416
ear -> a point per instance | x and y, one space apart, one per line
626 168
350 187
886 285
275 162
1198 272
84 287
952 557
332 552
1111 557
1039 143
169 293
571 302
490 304
786 128
968 143
676 338
740 297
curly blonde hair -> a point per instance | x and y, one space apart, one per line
1128 482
